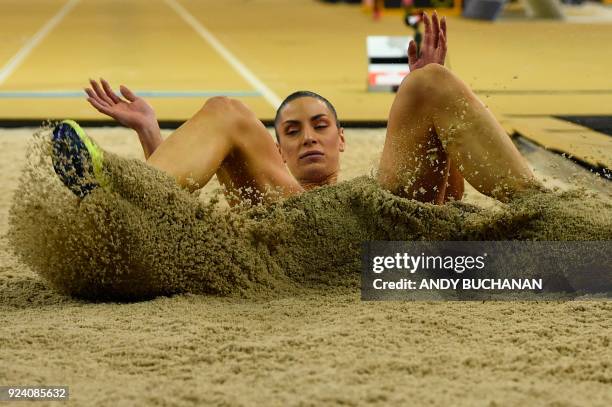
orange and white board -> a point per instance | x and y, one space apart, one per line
387 62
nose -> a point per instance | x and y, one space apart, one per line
309 137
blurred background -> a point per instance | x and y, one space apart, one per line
543 67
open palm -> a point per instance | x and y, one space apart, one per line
133 112
433 49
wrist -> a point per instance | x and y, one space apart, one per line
148 128
150 137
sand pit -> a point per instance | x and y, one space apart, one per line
267 342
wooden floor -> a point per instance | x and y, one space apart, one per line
179 52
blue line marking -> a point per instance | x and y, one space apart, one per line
67 94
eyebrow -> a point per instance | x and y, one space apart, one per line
315 117
291 122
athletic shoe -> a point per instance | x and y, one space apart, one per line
77 159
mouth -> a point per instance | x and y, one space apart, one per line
311 154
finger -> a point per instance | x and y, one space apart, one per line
109 91
443 41
128 94
427 40
412 52
443 26
93 95
435 29
99 92
100 108
442 48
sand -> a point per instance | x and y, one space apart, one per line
285 335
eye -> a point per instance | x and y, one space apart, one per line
321 126
291 132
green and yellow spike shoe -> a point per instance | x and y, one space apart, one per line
77 159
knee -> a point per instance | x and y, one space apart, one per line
427 82
228 113
217 103
224 103
227 108
435 73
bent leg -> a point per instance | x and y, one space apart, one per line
437 120
227 139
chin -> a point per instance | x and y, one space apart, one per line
314 174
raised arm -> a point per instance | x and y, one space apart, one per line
133 112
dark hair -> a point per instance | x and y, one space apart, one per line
302 94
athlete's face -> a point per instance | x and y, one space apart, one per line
310 141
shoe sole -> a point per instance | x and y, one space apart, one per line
77 160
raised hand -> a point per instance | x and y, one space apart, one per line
433 48
133 111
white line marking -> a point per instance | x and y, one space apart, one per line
18 58
249 76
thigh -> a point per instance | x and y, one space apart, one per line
225 138
254 168
414 163
433 102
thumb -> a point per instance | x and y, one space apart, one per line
128 94
412 52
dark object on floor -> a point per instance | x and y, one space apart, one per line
602 124
483 9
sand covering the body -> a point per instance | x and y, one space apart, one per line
144 236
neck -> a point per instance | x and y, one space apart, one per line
329 180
